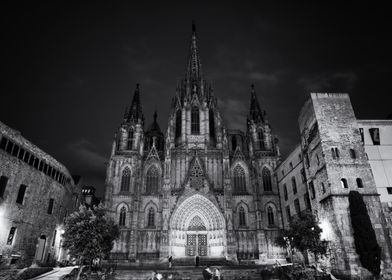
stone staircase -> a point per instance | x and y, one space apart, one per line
194 273
190 261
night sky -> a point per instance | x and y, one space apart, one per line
69 70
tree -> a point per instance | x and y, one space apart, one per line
364 236
89 234
304 235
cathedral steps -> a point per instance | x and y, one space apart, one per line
195 273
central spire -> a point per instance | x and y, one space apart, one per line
194 65
255 112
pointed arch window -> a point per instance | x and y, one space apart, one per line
152 180
233 143
178 123
211 119
260 140
195 121
123 216
242 217
130 140
270 214
151 218
267 179
359 183
125 180
239 180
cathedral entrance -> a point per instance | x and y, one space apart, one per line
197 228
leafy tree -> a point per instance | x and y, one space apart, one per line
89 234
364 236
304 235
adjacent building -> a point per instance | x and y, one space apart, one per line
36 195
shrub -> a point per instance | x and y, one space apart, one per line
32 272
364 236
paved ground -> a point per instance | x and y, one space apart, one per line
55 274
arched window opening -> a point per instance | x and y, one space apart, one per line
195 121
21 194
260 140
285 192
123 215
151 217
152 180
125 180
178 123
233 143
270 214
359 183
239 180
267 179
344 184
241 216
353 154
294 183
211 119
130 140
312 190
335 153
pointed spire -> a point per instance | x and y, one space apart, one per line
135 110
255 112
194 65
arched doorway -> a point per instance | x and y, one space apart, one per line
197 228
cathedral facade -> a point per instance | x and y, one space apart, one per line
199 189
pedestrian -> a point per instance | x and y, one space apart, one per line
207 273
197 261
170 261
217 275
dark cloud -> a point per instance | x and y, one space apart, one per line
70 69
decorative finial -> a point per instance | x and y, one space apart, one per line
252 86
155 115
193 26
137 86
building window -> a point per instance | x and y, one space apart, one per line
303 175
285 192
195 121
294 184
307 201
151 217
21 194
178 123
318 160
15 151
11 236
288 212
335 153
344 184
323 187
362 135
267 179
297 206
123 215
211 120
10 146
54 237
291 165
353 154
152 180
130 140
241 216
312 190
233 143
21 154
260 140
125 180
359 183
270 214
375 135
239 180
3 143
389 190
50 207
3 185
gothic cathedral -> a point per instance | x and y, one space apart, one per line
200 189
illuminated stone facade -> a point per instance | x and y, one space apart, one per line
36 194
199 189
